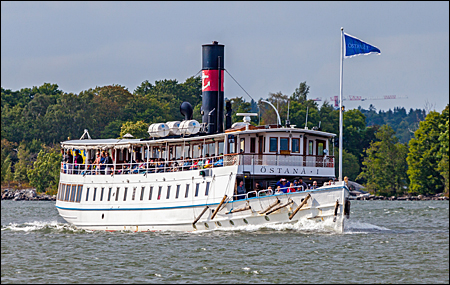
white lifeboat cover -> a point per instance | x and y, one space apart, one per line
158 130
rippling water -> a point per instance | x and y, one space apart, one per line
384 242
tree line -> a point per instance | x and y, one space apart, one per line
391 153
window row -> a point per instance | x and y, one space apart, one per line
72 193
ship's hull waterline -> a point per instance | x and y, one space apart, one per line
325 205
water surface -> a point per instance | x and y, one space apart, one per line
384 242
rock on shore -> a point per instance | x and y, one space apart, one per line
26 195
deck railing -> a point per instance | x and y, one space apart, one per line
157 166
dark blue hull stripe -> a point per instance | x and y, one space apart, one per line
189 206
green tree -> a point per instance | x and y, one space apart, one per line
443 166
425 154
384 167
137 130
350 165
301 93
20 168
44 174
7 175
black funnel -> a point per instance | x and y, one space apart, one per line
186 110
212 87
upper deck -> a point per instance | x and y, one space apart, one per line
260 150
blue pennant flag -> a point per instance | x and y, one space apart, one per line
354 46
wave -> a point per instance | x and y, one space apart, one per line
41 226
357 227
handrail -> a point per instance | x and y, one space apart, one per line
160 165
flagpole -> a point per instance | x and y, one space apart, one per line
341 133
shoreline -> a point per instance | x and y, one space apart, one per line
27 194
30 194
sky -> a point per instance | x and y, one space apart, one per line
269 47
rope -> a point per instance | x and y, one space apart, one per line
240 85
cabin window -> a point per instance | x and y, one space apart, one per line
72 194
196 150
109 193
159 192
142 193
117 193
125 194
95 194
273 145
87 193
310 147
320 147
209 150
197 187
60 191
220 148
252 145
207 188
163 152
242 145
178 192
79 191
187 151
67 193
168 192
295 145
284 144
187 191
134 193
150 193
178 151
101 193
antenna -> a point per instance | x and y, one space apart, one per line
278 115
288 123
306 123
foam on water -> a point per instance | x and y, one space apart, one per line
356 227
39 225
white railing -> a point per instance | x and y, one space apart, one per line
160 165
152 166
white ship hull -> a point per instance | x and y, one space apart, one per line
180 213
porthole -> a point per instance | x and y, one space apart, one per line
219 224
267 218
231 222
245 221
103 216
194 226
206 226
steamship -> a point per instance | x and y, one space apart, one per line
185 176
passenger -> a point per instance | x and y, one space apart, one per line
259 188
291 188
269 190
284 184
69 162
108 163
194 165
102 162
314 185
240 190
219 162
97 163
279 191
302 184
78 160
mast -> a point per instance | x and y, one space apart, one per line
341 133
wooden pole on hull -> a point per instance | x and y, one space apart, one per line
198 218
301 205
218 207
